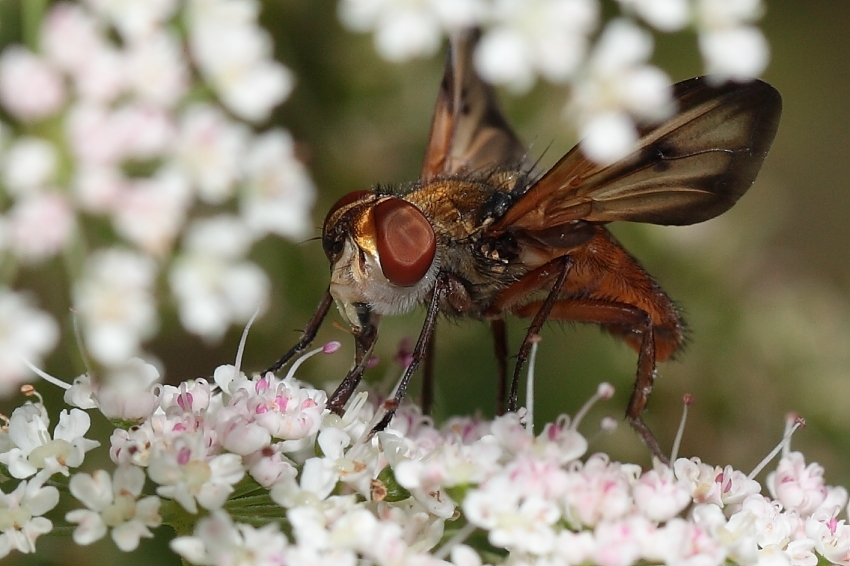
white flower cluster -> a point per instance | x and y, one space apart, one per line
259 471
612 81
130 128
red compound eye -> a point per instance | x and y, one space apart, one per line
405 240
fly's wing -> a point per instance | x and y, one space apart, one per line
469 133
686 170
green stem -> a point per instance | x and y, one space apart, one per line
32 13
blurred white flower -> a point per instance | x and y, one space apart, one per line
664 15
224 236
234 55
115 303
113 503
145 131
616 87
40 226
26 333
134 19
29 163
549 37
738 53
151 213
92 135
403 28
279 193
126 391
21 510
72 40
717 14
102 136
732 48
214 286
30 87
210 148
410 28
608 136
103 77
156 70
70 36
98 189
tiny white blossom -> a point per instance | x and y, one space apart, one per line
620 542
103 77
218 541
92 135
799 487
731 47
659 495
35 449
186 473
830 534
113 503
21 510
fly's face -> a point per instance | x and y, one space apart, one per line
383 256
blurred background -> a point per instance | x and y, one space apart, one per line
765 288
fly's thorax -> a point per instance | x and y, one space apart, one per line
459 207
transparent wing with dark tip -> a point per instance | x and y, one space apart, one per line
469 133
686 170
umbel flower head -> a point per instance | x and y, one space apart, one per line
257 470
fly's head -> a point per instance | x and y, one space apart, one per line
383 255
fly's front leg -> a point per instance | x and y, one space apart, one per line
308 335
419 351
364 342
428 375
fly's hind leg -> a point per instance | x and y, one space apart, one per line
628 322
500 349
